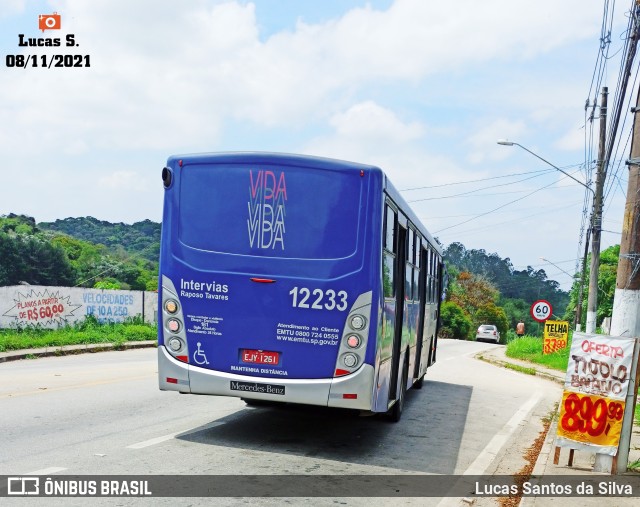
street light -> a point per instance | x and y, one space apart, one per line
506 142
578 317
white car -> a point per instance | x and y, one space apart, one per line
488 333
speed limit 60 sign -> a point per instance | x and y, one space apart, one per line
541 310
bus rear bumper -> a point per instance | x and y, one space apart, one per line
351 391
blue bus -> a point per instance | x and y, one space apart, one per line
296 279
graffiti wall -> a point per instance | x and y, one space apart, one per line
52 307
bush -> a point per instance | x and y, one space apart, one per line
455 324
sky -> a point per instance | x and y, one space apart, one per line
421 88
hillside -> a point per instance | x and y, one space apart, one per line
81 252
140 238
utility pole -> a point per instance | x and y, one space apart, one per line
625 320
596 218
578 319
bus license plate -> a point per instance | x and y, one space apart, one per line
259 356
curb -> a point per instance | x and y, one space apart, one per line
67 350
542 460
559 378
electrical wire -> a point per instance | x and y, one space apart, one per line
481 179
499 207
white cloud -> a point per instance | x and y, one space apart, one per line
573 140
483 141
123 180
372 122
369 133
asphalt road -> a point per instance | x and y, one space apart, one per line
102 413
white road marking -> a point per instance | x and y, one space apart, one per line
46 471
164 438
489 453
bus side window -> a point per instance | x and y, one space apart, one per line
389 229
411 239
411 234
430 268
388 275
388 261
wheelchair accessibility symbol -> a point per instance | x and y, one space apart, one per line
199 357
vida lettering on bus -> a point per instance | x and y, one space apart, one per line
266 224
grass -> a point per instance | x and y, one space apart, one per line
529 348
521 369
87 332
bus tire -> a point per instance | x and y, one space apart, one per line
418 383
395 413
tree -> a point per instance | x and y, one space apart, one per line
516 310
492 314
470 292
606 288
32 259
455 323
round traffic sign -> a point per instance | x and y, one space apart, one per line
541 310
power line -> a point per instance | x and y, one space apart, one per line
482 179
519 219
477 190
499 207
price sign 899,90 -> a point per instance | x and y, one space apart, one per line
541 310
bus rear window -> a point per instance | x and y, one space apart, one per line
265 210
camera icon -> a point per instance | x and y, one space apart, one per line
49 21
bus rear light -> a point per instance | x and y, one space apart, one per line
262 280
353 341
350 396
341 373
175 344
172 380
184 359
171 306
350 360
173 325
358 322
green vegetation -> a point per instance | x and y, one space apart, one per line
607 272
529 348
141 239
488 290
521 369
80 252
87 332
455 321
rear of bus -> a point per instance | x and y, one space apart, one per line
270 274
